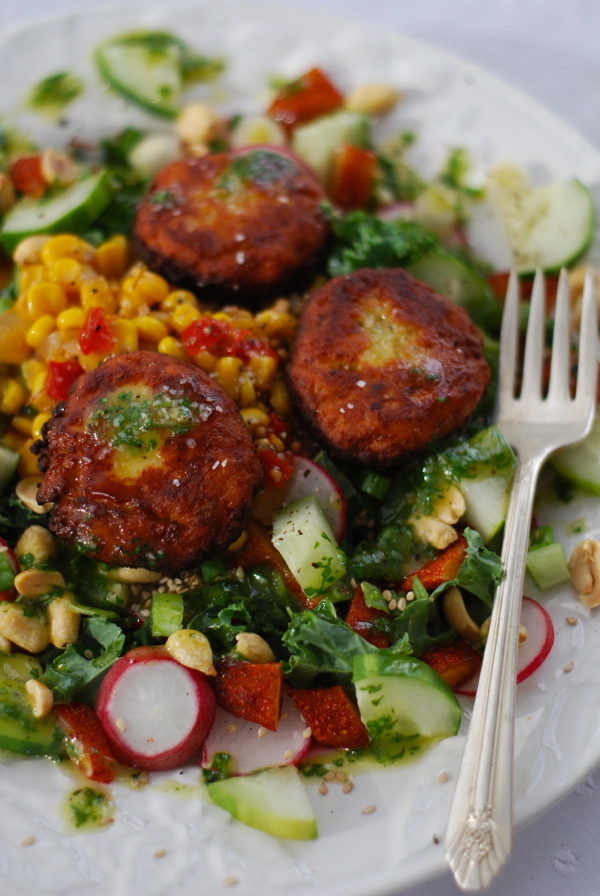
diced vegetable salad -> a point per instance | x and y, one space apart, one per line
356 599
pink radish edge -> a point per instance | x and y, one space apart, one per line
309 478
249 752
396 211
540 638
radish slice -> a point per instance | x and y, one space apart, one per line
309 478
249 752
397 211
531 655
156 713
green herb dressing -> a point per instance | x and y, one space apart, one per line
50 96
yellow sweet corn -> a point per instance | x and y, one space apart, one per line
70 319
150 329
228 375
206 361
23 424
111 257
45 298
30 370
14 440
280 398
30 274
28 465
67 272
254 417
263 368
171 346
183 316
126 335
38 331
96 293
177 298
13 344
65 245
150 289
247 395
38 422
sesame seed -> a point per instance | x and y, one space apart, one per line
402 603
88 654
341 776
262 731
568 666
347 787
288 754
361 384
283 715
307 732
239 572
442 777
120 723
368 810
28 841
145 613
387 595
231 728
570 620
323 789
353 583
410 595
329 776
392 604
159 853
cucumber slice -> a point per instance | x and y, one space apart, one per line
581 463
304 539
273 800
403 702
451 278
317 141
166 614
71 210
547 227
547 565
145 68
20 732
9 461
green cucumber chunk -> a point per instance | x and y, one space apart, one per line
451 278
304 539
403 702
9 461
317 141
273 800
373 483
166 614
547 565
213 568
580 464
144 67
71 210
20 731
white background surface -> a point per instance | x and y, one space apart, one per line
551 50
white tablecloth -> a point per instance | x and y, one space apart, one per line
551 50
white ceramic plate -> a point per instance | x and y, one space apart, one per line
448 103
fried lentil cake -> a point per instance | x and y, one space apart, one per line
246 224
382 365
148 463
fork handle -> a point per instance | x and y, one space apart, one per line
480 828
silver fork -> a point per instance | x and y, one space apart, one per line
480 829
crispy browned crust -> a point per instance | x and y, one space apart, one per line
249 243
405 402
174 514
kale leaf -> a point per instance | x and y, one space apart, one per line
71 670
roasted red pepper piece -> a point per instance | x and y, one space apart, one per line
258 550
311 95
96 335
443 568
332 716
224 338
87 745
250 691
26 174
278 466
360 617
456 662
352 177
61 376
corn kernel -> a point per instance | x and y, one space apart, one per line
13 345
111 257
71 319
220 315
65 245
38 422
183 316
151 288
41 401
126 335
228 375
14 440
30 370
280 398
39 384
91 361
45 298
32 273
247 393
66 272
238 543
28 465
23 424
149 329
177 298
13 397
171 346
263 369
206 361
254 417
96 293
38 331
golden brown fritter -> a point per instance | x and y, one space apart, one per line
382 365
233 224
148 463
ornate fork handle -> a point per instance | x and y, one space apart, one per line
480 828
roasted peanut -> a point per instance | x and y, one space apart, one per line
30 632
63 622
192 649
373 99
27 493
130 576
457 615
36 582
584 566
254 648
40 696
434 531
450 506
37 542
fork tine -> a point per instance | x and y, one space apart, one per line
534 343
587 373
509 337
561 344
